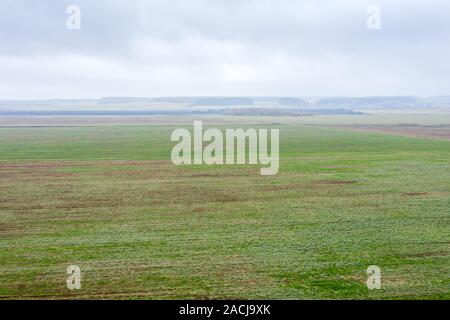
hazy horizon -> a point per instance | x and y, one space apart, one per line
217 96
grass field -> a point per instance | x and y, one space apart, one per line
109 200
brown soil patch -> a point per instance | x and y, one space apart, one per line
414 194
42 170
219 174
224 198
306 185
96 163
334 182
283 187
428 254
8 230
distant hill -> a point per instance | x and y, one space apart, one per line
287 112
218 101
437 101
385 102
47 102
195 101
126 100
295 102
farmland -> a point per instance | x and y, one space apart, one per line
108 199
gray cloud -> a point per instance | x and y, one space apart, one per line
228 47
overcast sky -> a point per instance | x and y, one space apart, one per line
223 47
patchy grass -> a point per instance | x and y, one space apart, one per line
109 200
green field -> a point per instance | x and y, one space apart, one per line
109 200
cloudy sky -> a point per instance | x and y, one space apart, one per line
223 47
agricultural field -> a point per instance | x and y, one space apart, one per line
109 199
